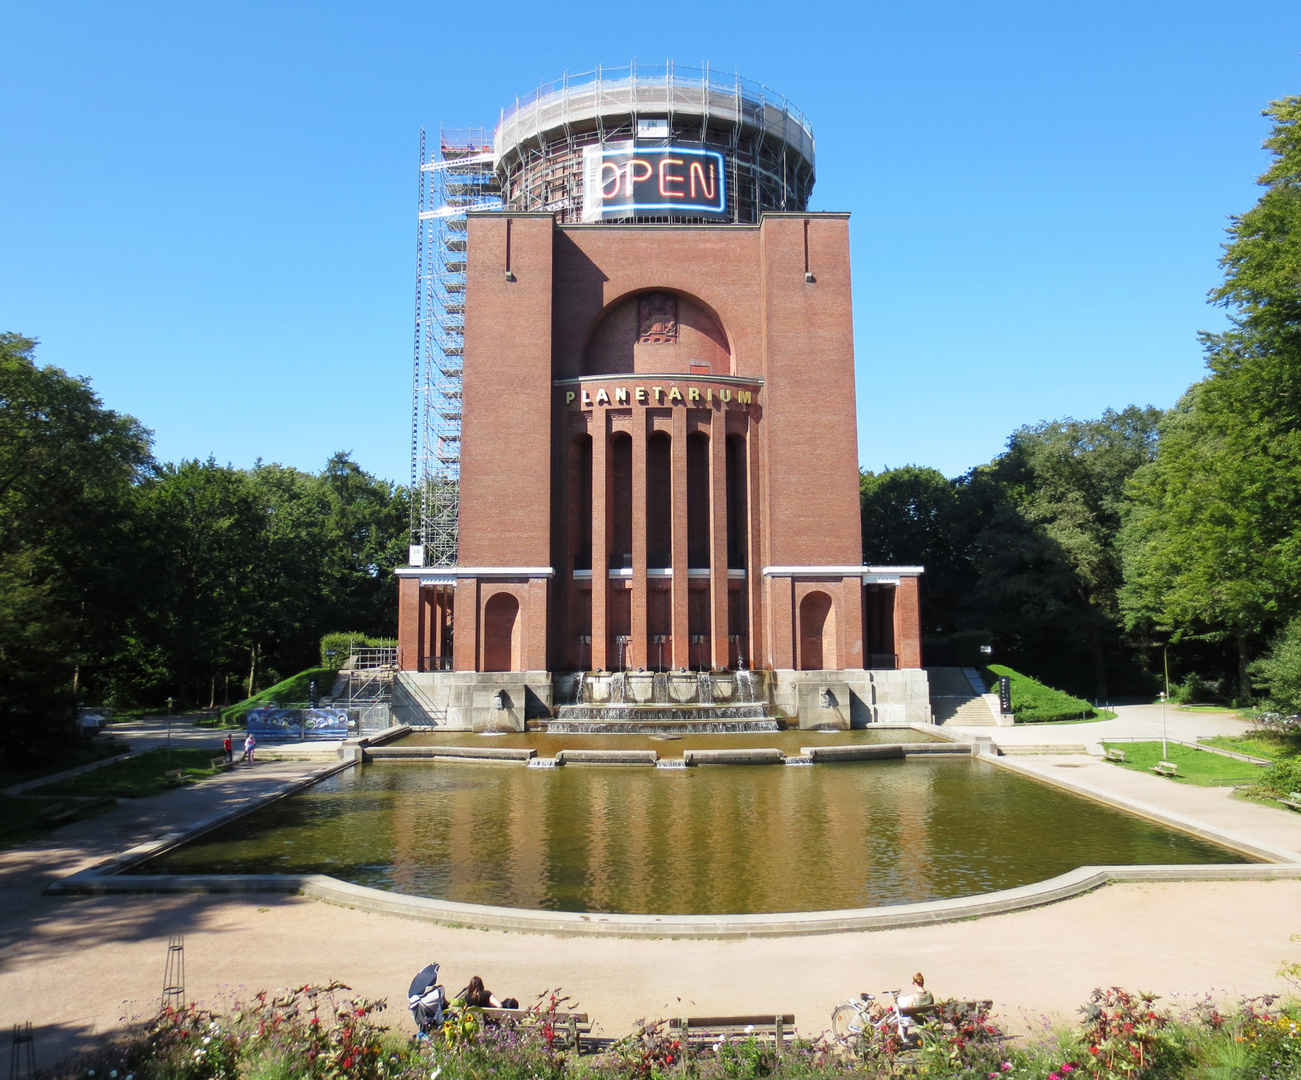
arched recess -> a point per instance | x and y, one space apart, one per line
501 633
660 332
817 633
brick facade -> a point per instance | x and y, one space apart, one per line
659 458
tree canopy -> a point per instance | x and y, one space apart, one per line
124 580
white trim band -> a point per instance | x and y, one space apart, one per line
473 571
844 571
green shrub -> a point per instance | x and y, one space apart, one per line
1281 778
341 642
1032 702
1195 690
1278 672
294 690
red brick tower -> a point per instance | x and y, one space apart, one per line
658 447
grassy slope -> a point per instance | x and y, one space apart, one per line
1195 766
1033 702
135 777
291 691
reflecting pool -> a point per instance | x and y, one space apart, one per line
713 839
668 746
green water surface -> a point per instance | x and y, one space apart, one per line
713 839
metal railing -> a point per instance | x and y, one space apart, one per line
666 74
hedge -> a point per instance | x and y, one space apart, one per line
341 641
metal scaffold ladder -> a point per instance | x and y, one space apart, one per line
455 178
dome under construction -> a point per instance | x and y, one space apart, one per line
653 144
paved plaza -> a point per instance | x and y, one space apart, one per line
76 967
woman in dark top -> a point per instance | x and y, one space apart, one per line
477 996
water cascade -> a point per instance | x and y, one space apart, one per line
663 702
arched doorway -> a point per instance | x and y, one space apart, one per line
501 633
817 633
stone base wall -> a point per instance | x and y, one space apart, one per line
853 697
469 701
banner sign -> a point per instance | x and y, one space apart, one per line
270 723
1004 694
623 180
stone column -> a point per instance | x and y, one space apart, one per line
600 538
678 473
639 621
718 606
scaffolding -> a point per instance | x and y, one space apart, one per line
455 178
766 142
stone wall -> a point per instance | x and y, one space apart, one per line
854 698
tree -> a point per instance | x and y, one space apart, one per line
1213 539
67 468
1066 479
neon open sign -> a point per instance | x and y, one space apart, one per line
624 180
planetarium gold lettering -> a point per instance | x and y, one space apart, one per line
671 395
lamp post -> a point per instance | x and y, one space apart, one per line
1165 755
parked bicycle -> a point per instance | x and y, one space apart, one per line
852 1020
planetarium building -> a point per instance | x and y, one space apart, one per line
656 483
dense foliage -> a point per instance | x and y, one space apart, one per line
1021 553
123 580
1213 538
1114 546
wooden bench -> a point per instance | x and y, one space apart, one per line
175 777
701 1031
1293 800
1165 768
572 1029
1114 753
219 764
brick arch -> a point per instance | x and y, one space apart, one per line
818 633
612 345
501 633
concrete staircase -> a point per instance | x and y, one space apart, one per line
956 698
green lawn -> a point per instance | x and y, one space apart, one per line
138 776
1195 766
1246 744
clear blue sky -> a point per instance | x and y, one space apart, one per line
207 208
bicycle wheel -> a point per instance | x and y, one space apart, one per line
847 1022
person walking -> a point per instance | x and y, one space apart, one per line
229 749
249 744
